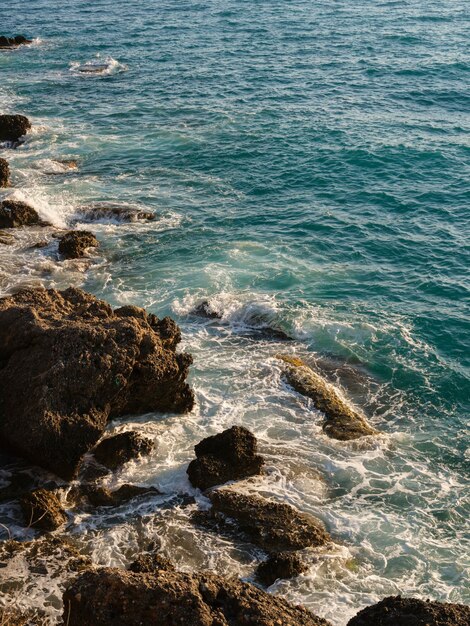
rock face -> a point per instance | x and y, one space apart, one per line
13 127
42 510
74 243
341 421
112 596
274 526
282 565
398 611
14 214
4 173
114 451
148 563
115 212
13 42
68 362
230 455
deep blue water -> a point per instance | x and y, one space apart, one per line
309 165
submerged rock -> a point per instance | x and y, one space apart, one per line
274 526
112 596
6 239
398 611
205 309
282 565
230 455
13 42
74 243
97 495
4 173
42 509
114 451
14 214
13 127
115 212
68 362
153 562
342 422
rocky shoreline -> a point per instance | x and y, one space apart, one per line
70 363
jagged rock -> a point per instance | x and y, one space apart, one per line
112 596
282 565
42 509
68 362
74 243
4 173
13 127
204 309
97 495
398 611
6 239
114 451
153 562
274 526
11 616
13 42
115 212
341 421
230 455
14 214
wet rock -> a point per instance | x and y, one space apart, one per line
398 611
114 212
69 164
43 243
230 455
282 565
20 484
205 309
42 510
6 239
14 214
13 127
341 421
274 526
68 362
114 451
112 596
13 42
153 562
11 616
97 495
4 173
75 243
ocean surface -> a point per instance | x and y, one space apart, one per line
309 165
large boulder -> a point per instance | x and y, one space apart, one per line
14 213
42 510
230 455
274 526
4 173
341 421
114 451
68 362
13 127
398 611
281 565
74 243
121 598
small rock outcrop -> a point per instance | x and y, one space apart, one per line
42 510
153 562
6 239
282 565
13 42
398 611
122 598
114 451
74 243
274 526
68 362
205 309
114 212
13 127
97 495
15 617
14 214
341 421
230 455
4 173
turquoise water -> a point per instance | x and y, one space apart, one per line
309 166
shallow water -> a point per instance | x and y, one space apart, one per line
309 166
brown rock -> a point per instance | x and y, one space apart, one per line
282 565
42 510
111 596
114 451
68 362
341 421
13 127
11 616
230 455
74 243
4 173
153 562
6 239
97 495
14 214
274 526
114 212
398 611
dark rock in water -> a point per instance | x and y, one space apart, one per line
398 611
42 509
153 562
13 42
122 598
14 214
4 173
68 362
74 243
13 127
20 484
97 495
274 526
230 455
204 309
114 451
6 239
282 565
43 243
113 212
342 422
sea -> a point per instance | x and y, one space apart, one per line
308 162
